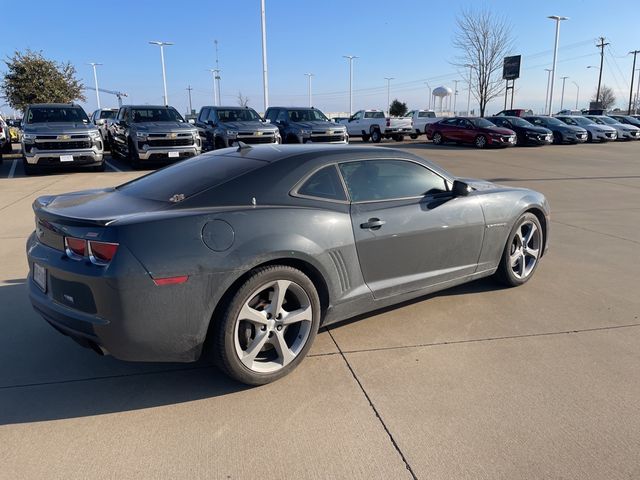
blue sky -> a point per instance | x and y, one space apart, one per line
406 39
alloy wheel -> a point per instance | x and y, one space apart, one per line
273 326
525 249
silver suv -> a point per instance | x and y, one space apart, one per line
58 135
152 133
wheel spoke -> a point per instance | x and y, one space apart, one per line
279 289
285 355
523 264
250 353
519 235
514 259
532 252
295 316
530 234
252 315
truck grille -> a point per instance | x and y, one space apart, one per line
63 145
258 139
327 138
169 142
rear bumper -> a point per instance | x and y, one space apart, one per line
398 131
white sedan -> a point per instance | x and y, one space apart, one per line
595 132
625 132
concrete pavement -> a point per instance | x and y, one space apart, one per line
474 382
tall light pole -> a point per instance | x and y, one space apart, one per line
546 97
309 75
351 58
429 87
164 75
388 79
265 75
216 78
214 75
557 19
469 91
95 79
577 93
455 95
190 105
564 79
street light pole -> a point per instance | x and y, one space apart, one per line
564 79
217 75
388 79
469 91
577 93
265 76
214 74
95 79
546 96
164 75
190 106
455 95
309 75
351 58
557 19
429 87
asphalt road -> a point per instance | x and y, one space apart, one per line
477 382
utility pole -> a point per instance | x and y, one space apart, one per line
95 79
388 79
309 75
469 91
546 96
214 73
633 71
577 93
265 75
429 87
455 95
601 46
564 79
637 94
351 58
557 19
217 75
190 107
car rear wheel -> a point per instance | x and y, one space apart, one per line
437 138
268 326
398 138
522 251
480 141
413 136
132 156
365 138
376 136
589 137
557 138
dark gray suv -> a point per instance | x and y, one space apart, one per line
305 125
221 127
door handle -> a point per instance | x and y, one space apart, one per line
373 224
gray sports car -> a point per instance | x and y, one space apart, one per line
251 250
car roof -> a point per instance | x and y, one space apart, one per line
223 107
294 108
148 106
55 105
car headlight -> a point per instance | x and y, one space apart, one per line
28 137
232 133
305 132
94 134
142 135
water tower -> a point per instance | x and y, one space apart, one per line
442 93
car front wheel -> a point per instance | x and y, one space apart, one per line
268 326
376 136
522 251
481 141
437 138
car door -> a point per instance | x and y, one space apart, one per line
410 231
466 131
449 129
354 125
120 128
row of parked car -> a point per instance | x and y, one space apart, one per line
507 129
63 134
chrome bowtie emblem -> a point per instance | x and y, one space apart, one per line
64 137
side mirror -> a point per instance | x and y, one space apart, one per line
460 189
100 121
192 121
267 120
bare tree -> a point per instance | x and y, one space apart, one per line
483 40
242 100
607 97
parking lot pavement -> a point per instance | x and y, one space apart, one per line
474 382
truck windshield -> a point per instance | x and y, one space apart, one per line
238 115
108 113
155 114
481 123
56 114
307 115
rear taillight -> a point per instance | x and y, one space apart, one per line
101 253
75 248
388 122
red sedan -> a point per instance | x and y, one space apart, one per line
477 131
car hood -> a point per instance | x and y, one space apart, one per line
318 125
497 130
252 126
541 130
162 127
572 128
58 128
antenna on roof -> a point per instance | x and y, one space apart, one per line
243 146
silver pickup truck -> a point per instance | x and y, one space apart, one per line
59 135
152 133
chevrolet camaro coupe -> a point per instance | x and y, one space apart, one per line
250 250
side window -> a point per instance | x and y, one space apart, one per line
271 114
204 113
213 115
451 121
464 123
125 115
325 183
376 180
282 116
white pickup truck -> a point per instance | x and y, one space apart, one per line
420 119
374 125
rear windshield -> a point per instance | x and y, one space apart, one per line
108 113
374 115
426 115
182 180
56 114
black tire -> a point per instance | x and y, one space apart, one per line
376 136
413 136
480 141
293 139
223 347
437 138
98 168
365 138
132 156
29 169
398 138
589 137
218 143
557 138
505 273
